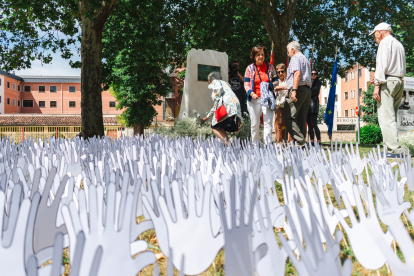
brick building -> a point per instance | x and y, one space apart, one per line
346 97
62 95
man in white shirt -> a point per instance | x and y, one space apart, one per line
389 87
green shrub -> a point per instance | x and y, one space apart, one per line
193 128
190 127
407 141
370 134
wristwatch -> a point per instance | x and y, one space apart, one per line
294 90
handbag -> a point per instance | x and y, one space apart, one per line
221 111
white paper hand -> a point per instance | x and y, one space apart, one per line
187 234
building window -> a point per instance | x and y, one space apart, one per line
42 104
353 112
346 78
8 100
8 84
72 89
0 99
72 104
18 88
53 89
53 104
346 113
360 92
0 81
27 103
111 104
352 94
27 88
14 102
360 72
14 86
346 96
336 98
42 88
352 75
326 100
18 103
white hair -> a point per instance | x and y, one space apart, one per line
294 45
214 76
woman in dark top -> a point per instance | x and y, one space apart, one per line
312 118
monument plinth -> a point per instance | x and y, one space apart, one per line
196 95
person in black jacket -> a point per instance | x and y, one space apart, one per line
312 118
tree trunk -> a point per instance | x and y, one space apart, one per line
278 26
91 57
279 35
138 129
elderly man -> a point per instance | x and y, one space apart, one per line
389 87
299 85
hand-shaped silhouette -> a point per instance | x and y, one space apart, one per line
193 227
315 260
116 248
239 258
360 235
12 260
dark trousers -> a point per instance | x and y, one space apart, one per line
312 121
294 114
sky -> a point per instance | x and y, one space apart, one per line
58 67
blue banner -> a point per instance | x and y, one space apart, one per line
330 108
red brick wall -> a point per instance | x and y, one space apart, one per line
12 94
351 103
62 98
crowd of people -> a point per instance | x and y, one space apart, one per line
290 96
281 97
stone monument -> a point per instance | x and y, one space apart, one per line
196 95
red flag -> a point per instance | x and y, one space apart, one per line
287 61
271 58
311 63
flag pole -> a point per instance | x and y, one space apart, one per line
359 139
313 48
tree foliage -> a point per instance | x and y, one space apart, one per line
321 114
369 109
30 30
141 47
238 25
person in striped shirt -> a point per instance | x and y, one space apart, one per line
298 100
256 73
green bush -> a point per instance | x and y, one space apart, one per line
370 134
407 141
193 128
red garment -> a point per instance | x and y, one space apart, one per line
262 70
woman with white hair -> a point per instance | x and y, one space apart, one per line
226 111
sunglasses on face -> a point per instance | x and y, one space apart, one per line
280 72
315 74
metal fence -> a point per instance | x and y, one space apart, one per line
19 133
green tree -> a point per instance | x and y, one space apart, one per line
141 47
321 114
369 109
323 24
30 30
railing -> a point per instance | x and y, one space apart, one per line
19 133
